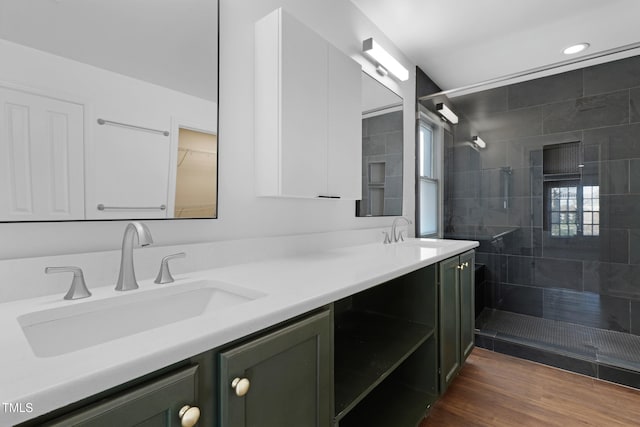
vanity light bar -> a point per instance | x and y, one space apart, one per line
384 58
479 142
445 112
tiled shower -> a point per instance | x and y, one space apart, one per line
554 200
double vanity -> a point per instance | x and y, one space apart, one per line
318 339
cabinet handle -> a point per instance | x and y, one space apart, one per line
189 415
466 264
461 267
241 386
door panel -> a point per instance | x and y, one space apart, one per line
467 303
41 157
449 322
290 378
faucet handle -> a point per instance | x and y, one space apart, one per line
400 236
387 237
78 287
164 275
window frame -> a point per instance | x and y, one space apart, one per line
428 119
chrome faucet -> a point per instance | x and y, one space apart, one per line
127 277
397 237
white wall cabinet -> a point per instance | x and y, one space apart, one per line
41 158
308 134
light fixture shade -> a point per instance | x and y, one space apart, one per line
479 142
445 112
384 58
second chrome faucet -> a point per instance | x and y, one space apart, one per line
127 277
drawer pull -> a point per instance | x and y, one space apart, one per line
241 386
189 415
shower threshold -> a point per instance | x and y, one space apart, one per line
599 353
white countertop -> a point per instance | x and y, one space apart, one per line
293 285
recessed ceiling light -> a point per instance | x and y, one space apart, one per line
575 48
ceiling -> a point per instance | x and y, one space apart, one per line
463 42
166 42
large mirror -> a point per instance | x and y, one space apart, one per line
382 150
109 109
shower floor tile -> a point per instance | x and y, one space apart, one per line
607 347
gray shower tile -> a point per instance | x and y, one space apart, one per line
510 125
374 144
494 155
465 158
526 182
611 176
619 376
385 123
393 165
558 273
634 246
578 248
635 317
496 266
465 184
585 113
634 105
520 299
620 211
546 90
493 212
588 309
525 211
613 143
481 104
634 175
613 279
392 206
466 211
491 184
611 76
520 270
393 187
394 143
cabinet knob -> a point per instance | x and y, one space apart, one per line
460 267
241 386
189 415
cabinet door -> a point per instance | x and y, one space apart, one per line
344 143
290 373
449 329
467 304
303 107
156 404
41 158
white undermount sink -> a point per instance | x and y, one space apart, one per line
62 330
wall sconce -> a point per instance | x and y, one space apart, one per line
478 141
384 59
445 112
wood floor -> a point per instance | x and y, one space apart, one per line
498 390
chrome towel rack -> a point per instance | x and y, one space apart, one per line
125 125
102 207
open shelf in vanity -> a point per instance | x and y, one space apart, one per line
385 352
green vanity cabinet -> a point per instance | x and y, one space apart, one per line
281 379
456 329
154 400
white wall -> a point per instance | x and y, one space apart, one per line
241 214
